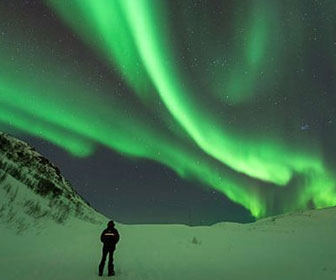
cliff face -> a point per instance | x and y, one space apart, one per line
32 189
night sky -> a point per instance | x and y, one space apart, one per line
182 111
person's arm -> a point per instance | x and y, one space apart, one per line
102 237
117 237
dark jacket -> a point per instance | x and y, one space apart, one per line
110 237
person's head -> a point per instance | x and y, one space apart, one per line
110 224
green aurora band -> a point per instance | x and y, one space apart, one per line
256 167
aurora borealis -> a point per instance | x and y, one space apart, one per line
236 95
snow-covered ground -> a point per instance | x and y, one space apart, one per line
300 246
48 232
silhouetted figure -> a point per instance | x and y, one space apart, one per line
110 237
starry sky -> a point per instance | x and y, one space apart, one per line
186 111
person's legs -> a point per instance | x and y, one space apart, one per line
102 262
110 262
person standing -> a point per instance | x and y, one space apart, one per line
109 237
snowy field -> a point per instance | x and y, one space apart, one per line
45 236
293 246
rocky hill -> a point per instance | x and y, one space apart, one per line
33 190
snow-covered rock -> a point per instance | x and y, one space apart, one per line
32 189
